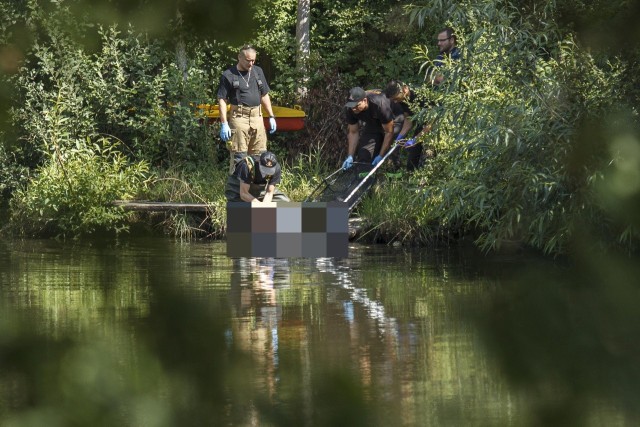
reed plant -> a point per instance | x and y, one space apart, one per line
205 186
303 172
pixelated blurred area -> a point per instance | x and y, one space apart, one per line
288 229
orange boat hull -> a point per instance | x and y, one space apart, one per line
286 124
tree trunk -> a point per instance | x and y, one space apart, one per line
302 42
181 48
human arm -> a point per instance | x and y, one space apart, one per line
268 195
222 109
244 175
225 131
406 127
353 134
245 195
388 136
225 91
352 142
265 100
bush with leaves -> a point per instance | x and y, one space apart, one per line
511 162
130 89
12 173
73 193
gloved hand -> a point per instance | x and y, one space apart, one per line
377 160
225 132
399 137
272 123
347 163
410 143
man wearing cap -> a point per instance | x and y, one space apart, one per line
370 143
245 88
255 178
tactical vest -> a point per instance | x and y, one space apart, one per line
236 82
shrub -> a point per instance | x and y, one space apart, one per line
514 161
73 193
12 174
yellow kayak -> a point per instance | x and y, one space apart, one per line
287 119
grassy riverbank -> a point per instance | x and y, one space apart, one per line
207 186
392 211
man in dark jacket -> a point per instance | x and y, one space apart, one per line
448 49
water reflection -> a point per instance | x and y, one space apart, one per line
383 331
380 338
255 283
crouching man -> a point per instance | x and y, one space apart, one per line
254 180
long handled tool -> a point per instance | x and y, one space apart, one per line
324 182
348 199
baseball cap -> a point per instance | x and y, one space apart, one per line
268 164
356 95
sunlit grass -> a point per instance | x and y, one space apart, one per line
396 212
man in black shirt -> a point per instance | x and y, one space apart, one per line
255 179
245 88
400 95
372 112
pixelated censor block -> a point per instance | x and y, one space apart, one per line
288 230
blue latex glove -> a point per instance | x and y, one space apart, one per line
272 123
347 163
399 137
225 132
377 160
410 143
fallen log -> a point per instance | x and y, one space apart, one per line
148 206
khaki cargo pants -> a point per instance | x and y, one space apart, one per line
248 135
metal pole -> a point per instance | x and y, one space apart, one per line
371 172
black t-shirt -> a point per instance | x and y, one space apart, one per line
244 174
402 107
402 110
379 113
251 86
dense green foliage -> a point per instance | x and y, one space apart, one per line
524 126
508 128
72 193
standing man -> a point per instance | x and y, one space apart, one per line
447 46
370 143
245 88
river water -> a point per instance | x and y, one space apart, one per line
151 331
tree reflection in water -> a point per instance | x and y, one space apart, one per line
161 332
